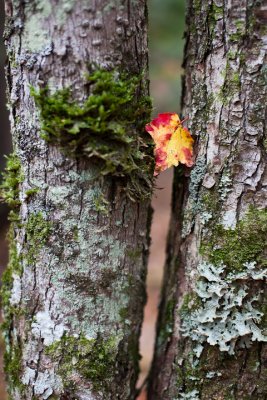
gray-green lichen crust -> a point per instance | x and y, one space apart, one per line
103 128
225 310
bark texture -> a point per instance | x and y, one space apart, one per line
214 296
76 280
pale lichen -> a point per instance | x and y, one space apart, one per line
227 316
36 37
225 185
43 326
192 395
194 204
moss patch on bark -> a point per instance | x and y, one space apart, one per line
103 127
12 177
94 359
235 247
37 231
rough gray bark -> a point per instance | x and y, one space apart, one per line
77 295
213 236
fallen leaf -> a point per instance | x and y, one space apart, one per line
173 142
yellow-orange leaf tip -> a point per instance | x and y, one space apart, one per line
173 142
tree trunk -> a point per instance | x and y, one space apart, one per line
74 289
211 340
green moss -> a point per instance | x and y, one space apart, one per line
231 55
134 254
191 302
197 4
189 377
37 230
209 108
238 36
103 128
94 359
193 373
12 369
12 352
210 200
234 247
232 85
101 204
75 233
124 312
12 362
134 355
30 192
14 266
214 13
217 11
12 177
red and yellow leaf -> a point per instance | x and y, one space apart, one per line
173 142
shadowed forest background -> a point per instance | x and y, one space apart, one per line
166 27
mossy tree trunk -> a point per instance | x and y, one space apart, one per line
74 289
211 341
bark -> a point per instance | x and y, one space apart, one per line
216 213
75 303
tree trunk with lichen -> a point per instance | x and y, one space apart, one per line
211 340
74 289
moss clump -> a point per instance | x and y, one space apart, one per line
103 128
124 313
235 247
134 254
12 362
94 359
101 204
12 177
214 14
191 302
30 192
134 355
37 231
231 86
13 267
